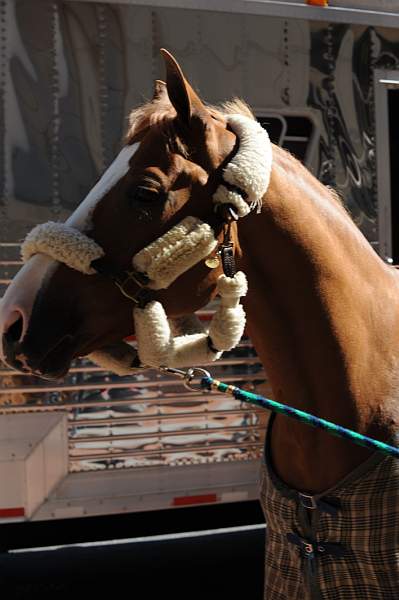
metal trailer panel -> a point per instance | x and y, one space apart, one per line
153 488
66 87
85 65
382 13
33 460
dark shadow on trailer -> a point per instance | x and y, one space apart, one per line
393 108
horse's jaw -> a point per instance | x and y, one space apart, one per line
54 365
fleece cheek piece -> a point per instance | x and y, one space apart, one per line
250 169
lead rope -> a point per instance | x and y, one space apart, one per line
208 383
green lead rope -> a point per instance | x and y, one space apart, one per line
209 383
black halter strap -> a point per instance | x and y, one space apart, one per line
131 283
134 285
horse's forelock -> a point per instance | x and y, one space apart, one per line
156 112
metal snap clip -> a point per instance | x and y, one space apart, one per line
192 374
307 501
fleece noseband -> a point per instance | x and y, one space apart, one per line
158 265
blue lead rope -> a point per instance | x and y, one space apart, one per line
209 383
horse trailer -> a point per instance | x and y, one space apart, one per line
324 82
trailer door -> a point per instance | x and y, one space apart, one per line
387 146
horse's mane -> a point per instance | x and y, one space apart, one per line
161 112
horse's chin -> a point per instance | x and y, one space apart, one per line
56 364
53 365
119 358
49 373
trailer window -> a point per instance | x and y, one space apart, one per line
393 105
292 132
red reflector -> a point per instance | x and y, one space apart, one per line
130 338
12 512
185 500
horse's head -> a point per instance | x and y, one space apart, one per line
169 169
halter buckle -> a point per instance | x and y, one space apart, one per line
192 374
139 295
226 252
307 501
188 376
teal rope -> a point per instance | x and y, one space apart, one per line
342 432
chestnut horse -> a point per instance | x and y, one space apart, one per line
322 308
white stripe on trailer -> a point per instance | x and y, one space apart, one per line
150 538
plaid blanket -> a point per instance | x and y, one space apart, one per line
345 548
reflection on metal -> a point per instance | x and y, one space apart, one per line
89 368
66 87
145 420
391 83
108 383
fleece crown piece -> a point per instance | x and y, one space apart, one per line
250 169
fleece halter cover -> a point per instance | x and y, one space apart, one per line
177 251
168 257
63 243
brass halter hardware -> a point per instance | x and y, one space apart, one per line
226 249
121 284
140 294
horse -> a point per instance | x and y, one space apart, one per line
322 310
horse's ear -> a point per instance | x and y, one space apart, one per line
160 90
181 94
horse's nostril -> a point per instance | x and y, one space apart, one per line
14 331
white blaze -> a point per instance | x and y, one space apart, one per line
118 169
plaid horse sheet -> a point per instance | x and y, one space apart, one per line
339 545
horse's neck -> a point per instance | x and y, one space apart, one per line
323 314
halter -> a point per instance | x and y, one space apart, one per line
158 265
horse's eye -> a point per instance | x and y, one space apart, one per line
142 194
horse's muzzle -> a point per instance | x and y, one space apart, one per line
19 356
